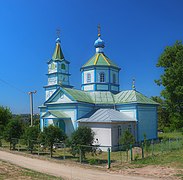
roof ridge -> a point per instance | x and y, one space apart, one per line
96 60
105 59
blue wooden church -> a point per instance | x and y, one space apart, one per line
99 104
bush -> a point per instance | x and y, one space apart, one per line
81 141
127 139
93 161
51 135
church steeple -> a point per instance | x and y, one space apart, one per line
58 54
58 71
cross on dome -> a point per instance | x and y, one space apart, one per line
133 84
99 43
58 35
99 31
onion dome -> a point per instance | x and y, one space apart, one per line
99 43
100 59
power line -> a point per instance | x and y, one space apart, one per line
9 84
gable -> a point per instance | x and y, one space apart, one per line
60 96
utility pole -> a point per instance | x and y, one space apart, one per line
31 105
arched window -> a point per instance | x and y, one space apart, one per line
53 66
88 77
114 78
63 66
102 77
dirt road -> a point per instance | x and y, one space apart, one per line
62 170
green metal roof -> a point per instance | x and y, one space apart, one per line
100 59
106 97
132 96
58 55
57 114
102 97
79 95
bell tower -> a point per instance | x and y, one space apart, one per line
58 71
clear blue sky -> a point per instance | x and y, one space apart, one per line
135 32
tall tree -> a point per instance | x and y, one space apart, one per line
163 114
13 131
51 135
31 135
171 61
5 116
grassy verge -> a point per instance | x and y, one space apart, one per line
172 159
171 135
10 171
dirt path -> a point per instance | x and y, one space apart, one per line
62 170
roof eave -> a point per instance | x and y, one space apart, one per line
108 66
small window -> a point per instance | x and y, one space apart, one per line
53 66
102 77
63 66
114 78
130 128
119 131
88 77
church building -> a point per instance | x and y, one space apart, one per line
100 104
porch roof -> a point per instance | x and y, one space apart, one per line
56 114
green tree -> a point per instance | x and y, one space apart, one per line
31 135
12 132
163 114
51 135
126 140
5 116
171 61
82 136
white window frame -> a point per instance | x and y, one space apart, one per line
102 77
88 77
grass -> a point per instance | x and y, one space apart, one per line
37 175
10 171
172 159
171 135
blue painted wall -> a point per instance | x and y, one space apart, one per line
147 122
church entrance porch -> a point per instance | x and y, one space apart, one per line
55 118
61 125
